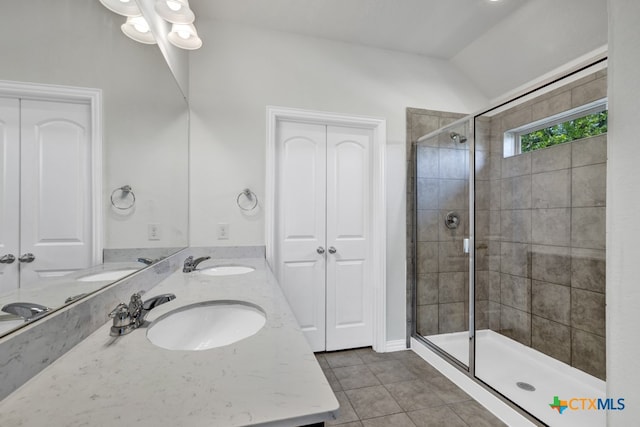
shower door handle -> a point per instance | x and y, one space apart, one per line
465 246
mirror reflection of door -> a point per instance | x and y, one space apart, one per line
46 202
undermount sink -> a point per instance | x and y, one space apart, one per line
107 275
206 325
226 270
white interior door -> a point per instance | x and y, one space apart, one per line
322 243
300 224
349 295
56 203
9 193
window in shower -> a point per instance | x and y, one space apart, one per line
577 123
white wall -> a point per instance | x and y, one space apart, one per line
623 227
539 37
241 70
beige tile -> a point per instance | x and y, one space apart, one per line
427 288
357 376
517 118
339 359
322 361
454 164
453 194
476 415
427 321
427 162
372 402
441 416
331 378
395 420
516 193
515 324
516 165
482 165
516 225
550 106
414 395
551 226
588 270
551 338
346 413
427 254
551 301
588 353
452 317
515 292
452 287
589 185
515 259
391 371
588 228
427 193
423 124
551 264
552 158
551 189
428 225
589 92
589 151
368 355
588 311
451 257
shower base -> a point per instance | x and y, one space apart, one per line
502 363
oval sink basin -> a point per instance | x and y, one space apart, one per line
206 325
107 275
226 270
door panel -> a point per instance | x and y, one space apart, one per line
300 228
56 188
9 191
349 313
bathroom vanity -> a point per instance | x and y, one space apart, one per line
270 378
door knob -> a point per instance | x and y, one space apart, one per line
320 250
28 257
332 250
7 259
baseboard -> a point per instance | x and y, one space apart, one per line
395 345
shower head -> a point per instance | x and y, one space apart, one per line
457 137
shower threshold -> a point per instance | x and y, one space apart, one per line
502 363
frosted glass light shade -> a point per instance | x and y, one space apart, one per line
185 37
175 11
137 28
122 7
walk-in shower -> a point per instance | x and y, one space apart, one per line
507 249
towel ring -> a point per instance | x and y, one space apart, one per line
126 191
250 195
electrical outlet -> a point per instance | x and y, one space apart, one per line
223 231
154 232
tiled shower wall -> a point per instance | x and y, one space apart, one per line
540 223
442 182
540 231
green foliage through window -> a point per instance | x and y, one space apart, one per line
583 127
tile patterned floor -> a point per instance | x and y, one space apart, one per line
397 390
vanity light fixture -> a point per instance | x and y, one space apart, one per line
122 7
175 11
185 36
137 28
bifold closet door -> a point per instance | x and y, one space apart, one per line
9 193
323 199
300 224
55 186
349 294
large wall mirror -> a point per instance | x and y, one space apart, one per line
140 208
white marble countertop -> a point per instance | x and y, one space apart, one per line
271 378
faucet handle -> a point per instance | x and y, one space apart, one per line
120 315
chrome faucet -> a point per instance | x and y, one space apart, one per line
26 310
190 264
126 318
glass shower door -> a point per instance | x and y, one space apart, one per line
442 230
